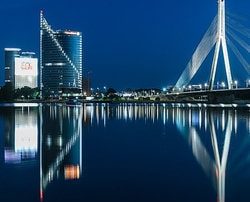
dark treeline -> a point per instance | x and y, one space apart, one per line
7 92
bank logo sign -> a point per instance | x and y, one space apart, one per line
26 66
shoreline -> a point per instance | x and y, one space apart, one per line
194 104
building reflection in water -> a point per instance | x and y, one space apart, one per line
60 144
53 132
21 135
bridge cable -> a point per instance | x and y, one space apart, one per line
239 56
200 54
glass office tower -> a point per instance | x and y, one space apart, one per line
60 61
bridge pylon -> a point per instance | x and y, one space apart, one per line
214 37
221 43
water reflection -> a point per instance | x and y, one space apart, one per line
52 136
214 167
99 114
21 135
55 130
60 144
195 124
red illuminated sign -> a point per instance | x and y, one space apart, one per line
26 66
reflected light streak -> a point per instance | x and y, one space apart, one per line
189 118
200 118
97 114
235 122
223 121
164 116
205 120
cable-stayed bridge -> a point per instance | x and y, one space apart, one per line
225 32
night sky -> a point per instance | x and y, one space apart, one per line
127 43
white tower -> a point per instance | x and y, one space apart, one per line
221 43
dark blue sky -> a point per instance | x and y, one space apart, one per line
127 43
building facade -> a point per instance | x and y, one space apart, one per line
60 61
9 57
21 68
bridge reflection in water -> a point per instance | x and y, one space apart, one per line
214 167
52 135
196 125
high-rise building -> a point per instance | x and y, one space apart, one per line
60 61
21 68
9 55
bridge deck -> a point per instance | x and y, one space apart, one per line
239 95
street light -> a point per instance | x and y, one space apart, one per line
200 87
236 84
206 86
223 85
247 83
91 91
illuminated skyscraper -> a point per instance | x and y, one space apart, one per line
21 68
60 60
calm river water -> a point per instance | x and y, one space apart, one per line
124 153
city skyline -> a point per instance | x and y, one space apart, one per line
141 43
